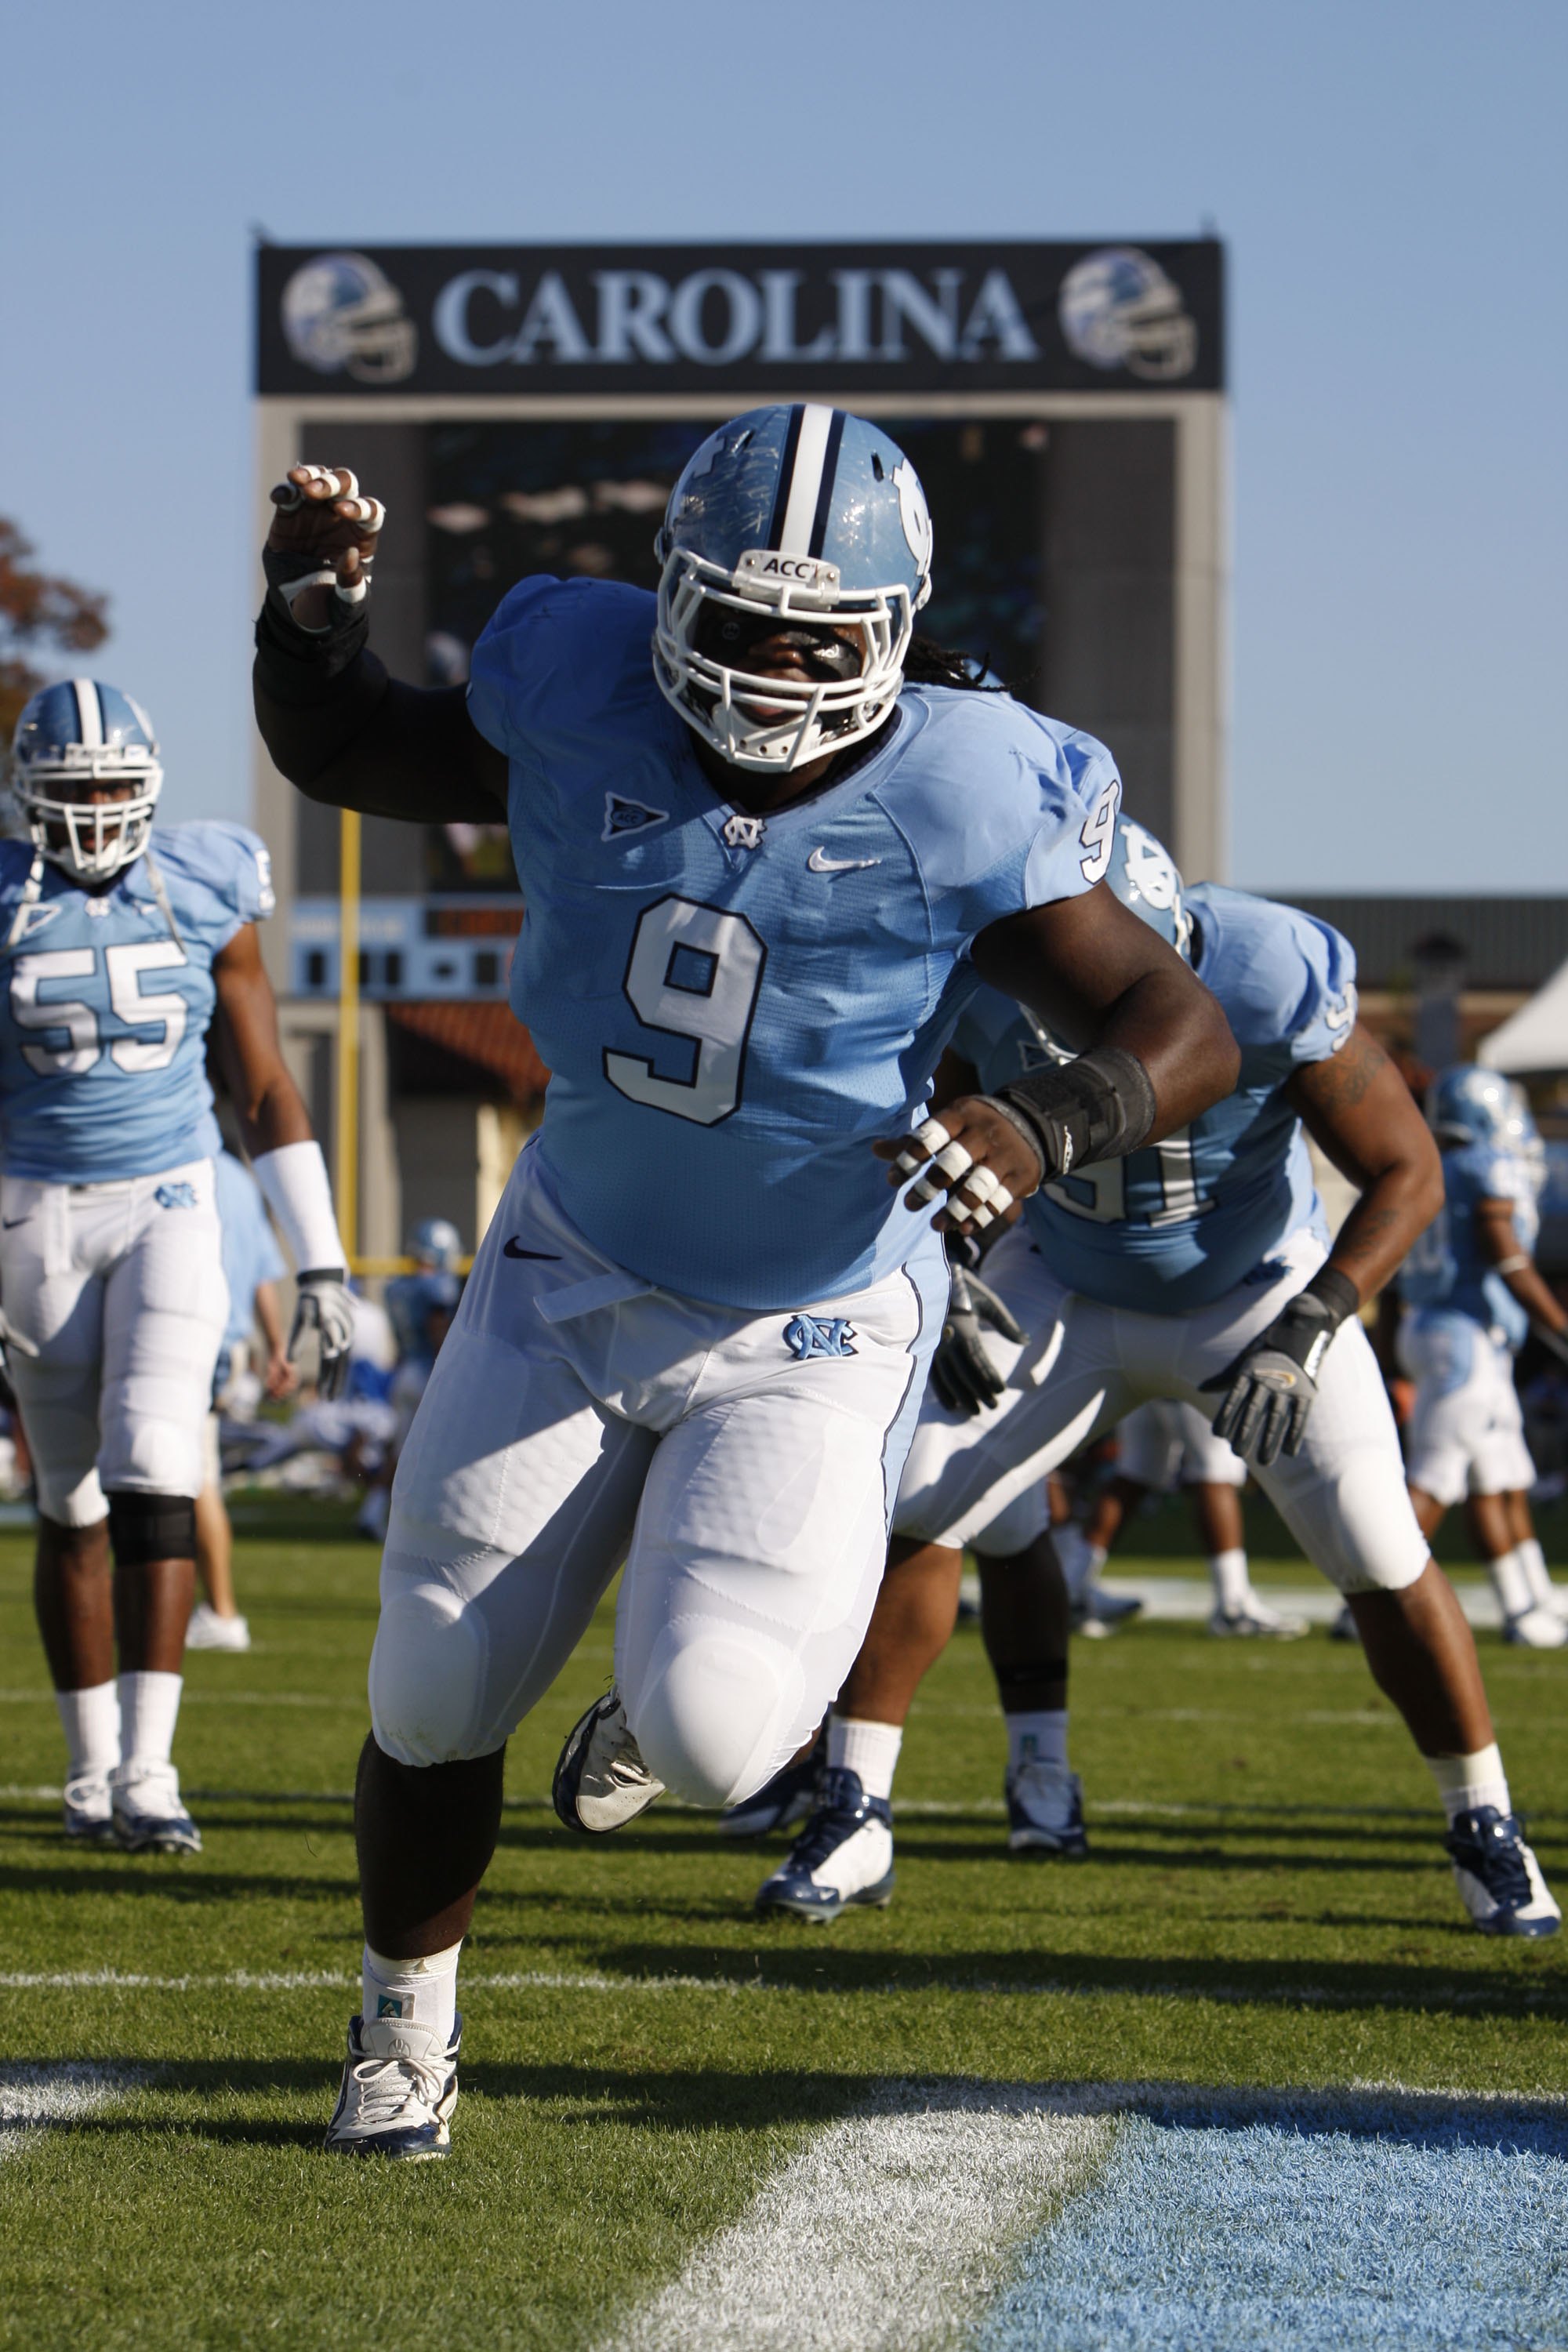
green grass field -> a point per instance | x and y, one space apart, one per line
1267 1905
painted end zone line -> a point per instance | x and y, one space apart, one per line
1014 2216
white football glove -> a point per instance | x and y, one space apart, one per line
325 1307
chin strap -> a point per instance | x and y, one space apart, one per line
32 891
159 892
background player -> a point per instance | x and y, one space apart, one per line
761 875
116 958
420 1307
1473 1293
253 1267
1162 1445
1200 1268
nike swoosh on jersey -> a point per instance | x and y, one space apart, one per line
817 864
515 1249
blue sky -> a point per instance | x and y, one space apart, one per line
1389 176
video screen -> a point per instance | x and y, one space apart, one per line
584 498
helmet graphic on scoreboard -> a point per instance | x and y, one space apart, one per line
1119 309
341 315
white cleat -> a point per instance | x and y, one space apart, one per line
399 2088
1536 1629
208 1630
1255 1622
149 1817
601 1780
89 1817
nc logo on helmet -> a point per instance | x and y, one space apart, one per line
914 514
341 315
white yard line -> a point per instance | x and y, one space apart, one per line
892 2229
33 2097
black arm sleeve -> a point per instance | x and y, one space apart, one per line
345 733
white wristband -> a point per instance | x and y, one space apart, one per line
293 1182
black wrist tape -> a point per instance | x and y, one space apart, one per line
298 667
1329 1297
1099 1107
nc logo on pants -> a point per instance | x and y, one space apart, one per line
819 1335
176 1196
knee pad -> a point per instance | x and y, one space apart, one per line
428 1676
146 1527
706 1713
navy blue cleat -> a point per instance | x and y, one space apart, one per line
399 2088
1044 1811
844 1855
780 1802
1498 1876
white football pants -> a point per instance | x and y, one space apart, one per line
1087 1365
121 1289
742 1464
1467 1432
1164 1445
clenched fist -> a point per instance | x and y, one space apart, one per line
321 545
975 1154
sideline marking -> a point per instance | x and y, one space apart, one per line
34 2098
890 2228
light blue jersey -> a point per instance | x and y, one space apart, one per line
250 1251
410 1300
1447 1271
105 1012
733 1008
1177 1225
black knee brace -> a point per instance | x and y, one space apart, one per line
146 1527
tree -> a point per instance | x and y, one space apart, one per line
37 613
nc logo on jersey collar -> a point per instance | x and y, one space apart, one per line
623 816
819 1335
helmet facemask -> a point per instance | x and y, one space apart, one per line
767 723
90 840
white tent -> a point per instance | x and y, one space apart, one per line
1534 1040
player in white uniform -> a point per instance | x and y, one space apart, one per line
1472 1295
118 948
764 873
1162 1445
1199 1268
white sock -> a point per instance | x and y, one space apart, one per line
90 1721
1039 1735
870 1750
149 1709
1232 1584
423 1992
1533 1560
1510 1582
1465 1781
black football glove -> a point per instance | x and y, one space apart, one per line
1266 1394
325 1307
961 1374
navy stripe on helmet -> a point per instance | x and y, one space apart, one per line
786 476
824 494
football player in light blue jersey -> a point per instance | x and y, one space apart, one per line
119 948
420 1308
1197 1268
764 872
1472 1292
